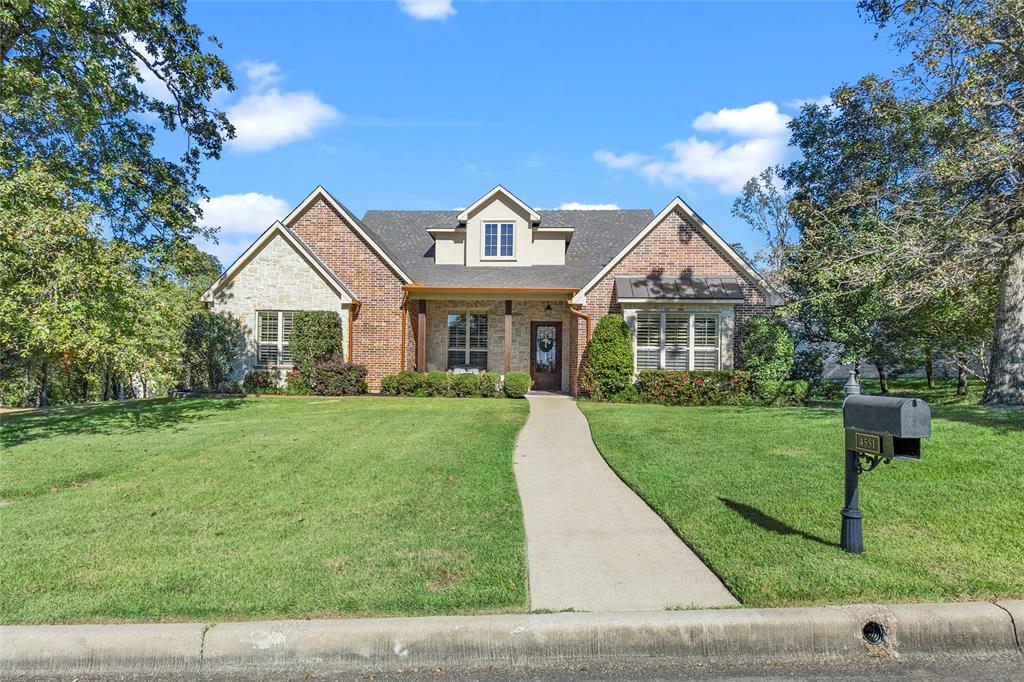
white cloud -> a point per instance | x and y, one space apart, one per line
264 120
241 218
757 120
262 74
612 160
429 10
727 167
577 206
249 213
737 144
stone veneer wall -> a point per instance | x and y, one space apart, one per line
277 278
675 248
377 328
523 313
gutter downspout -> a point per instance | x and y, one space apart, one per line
405 314
353 313
581 314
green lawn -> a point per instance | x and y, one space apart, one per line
246 508
757 492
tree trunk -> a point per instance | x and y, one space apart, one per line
120 389
1006 371
26 389
929 368
883 379
961 380
44 388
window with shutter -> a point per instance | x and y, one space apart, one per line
467 340
274 338
677 340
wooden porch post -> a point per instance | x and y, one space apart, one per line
421 338
508 336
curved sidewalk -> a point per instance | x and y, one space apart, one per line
592 544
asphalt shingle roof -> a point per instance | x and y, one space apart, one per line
598 237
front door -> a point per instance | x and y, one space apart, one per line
546 355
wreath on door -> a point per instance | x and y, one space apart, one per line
545 345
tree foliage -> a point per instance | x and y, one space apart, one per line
767 352
82 85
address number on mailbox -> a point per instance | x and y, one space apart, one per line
869 443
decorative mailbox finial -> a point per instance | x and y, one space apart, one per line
852 387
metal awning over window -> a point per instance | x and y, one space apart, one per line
657 288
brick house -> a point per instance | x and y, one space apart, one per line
499 286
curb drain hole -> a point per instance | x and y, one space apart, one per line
874 633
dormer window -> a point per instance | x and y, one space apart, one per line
499 240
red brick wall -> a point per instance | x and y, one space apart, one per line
672 249
377 330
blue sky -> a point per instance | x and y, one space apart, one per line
429 103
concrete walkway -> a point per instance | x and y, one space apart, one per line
592 544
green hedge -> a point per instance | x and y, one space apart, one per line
442 384
316 337
609 359
260 381
694 388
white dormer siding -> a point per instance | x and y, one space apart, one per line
532 244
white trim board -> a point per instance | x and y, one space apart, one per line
354 223
772 297
498 189
300 247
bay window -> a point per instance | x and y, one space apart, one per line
274 336
677 340
467 340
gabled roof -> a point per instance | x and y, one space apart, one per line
374 241
464 216
772 296
597 237
275 230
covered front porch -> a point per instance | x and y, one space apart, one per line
486 330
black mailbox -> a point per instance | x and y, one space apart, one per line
890 428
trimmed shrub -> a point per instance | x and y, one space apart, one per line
490 384
410 383
316 337
826 390
609 365
337 377
436 383
294 384
464 386
516 384
629 395
260 381
767 353
389 385
694 388
794 392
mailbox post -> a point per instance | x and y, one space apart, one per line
877 428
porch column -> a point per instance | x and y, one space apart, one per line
508 336
421 337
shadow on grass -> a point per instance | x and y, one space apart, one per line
759 518
111 418
1004 420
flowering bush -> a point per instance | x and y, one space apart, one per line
694 388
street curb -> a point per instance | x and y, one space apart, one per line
721 636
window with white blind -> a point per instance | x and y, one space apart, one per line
677 340
467 340
274 336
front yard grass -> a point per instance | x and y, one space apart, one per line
757 492
256 508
